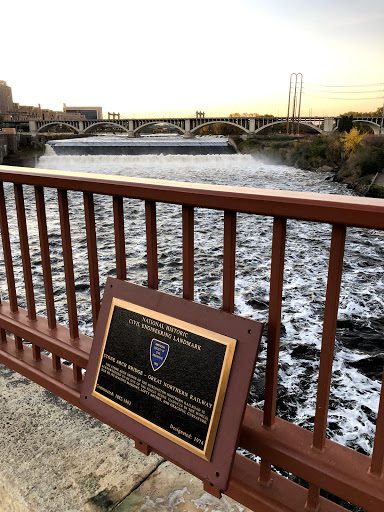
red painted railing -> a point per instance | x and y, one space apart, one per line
322 463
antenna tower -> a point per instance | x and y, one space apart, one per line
294 100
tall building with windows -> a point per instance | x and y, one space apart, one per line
89 112
6 101
15 112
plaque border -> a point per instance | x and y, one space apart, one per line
216 472
230 344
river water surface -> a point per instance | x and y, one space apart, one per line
359 356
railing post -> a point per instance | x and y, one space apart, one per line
188 252
45 257
329 332
24 248
90 225
274 320
229 261
118 214
7 252
274 323
150 216
377 465
68 263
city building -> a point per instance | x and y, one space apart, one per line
15 112
87 112
6 101
29 113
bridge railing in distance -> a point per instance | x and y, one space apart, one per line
323 463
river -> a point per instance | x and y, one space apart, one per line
359 356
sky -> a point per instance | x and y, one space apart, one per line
171 58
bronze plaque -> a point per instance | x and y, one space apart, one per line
163 369
165 373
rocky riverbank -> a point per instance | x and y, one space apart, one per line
354 159
28 148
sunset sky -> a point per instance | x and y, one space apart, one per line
168 57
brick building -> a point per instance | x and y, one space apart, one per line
6 101
15 112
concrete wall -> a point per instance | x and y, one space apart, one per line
9 143
3 147
56 458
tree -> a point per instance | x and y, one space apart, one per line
345 124
351 141
377 112
250 114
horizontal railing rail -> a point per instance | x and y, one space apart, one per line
332 209
310 456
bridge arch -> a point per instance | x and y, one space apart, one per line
57 123
375 127
258 130
153 123
104 123
197 128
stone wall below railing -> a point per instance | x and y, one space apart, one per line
56 458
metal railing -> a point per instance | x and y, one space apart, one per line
323 463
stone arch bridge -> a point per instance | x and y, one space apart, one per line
189 126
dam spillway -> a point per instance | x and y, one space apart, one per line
146 145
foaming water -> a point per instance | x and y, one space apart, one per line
239 170
359 355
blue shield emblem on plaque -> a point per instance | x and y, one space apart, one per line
158 353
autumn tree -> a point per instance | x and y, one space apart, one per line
351 141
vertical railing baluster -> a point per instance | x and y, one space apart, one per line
24 249
150 219
7 254
36 353
3 336
313 498
229 261
45 257
335 270
188 252
19 343
93 266
56 362
377 465
274 324
77 374
118 215
329 332
68 264
274 320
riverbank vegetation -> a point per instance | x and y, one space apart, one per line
356 159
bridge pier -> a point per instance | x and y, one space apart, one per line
131 128
33 127
252 125
187 133
328 124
